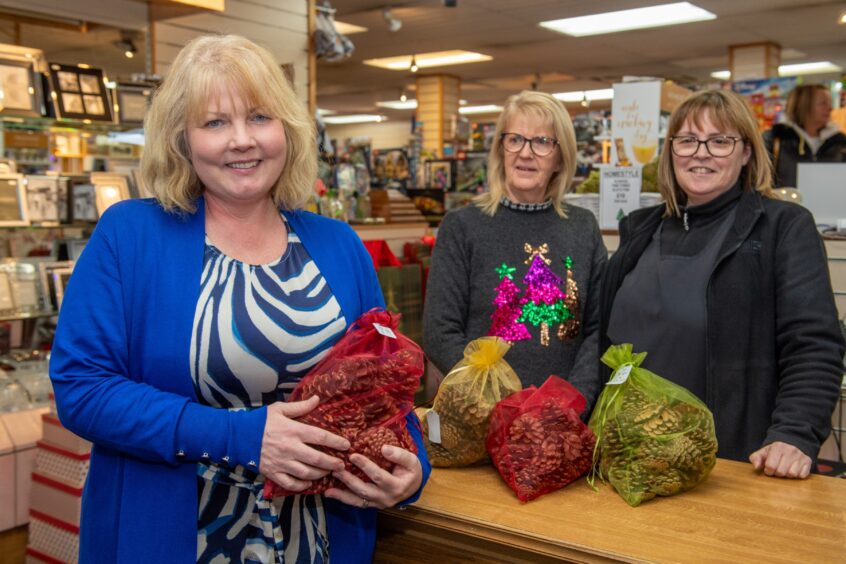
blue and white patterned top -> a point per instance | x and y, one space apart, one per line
257 330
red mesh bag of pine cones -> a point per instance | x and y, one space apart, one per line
537 440
366 386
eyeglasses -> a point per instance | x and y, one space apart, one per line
540 146
687 146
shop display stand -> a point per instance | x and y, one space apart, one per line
61 466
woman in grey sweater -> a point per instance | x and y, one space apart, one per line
519 264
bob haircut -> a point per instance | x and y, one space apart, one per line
726 110
211 66
800 103
549 110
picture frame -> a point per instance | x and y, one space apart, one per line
21 88
80 93
439 174
83 202
13 209
133 100
59 279
43 199
109 189
48 282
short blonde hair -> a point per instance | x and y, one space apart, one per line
548 109
238 65
727 111
800 103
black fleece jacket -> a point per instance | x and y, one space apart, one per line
774 346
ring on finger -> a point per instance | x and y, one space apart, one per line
364 502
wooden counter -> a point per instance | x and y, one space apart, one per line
736 515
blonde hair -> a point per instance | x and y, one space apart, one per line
800 103
548 109
726 110
199 71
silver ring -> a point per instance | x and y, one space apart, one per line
364 502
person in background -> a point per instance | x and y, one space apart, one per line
805 135
192 315
520 264
727 289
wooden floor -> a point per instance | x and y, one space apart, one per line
13 545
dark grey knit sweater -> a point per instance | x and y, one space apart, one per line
463 278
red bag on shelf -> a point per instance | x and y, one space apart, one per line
366 386
537 441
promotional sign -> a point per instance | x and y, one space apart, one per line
635 118
767 97
619 194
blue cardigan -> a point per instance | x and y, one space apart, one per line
121 375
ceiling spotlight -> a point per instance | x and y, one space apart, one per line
403 97
126 44
413 67
393 23
585 102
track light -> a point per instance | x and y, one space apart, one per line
126 44
393 23
413 67
403 97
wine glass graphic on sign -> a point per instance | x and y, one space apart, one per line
644 147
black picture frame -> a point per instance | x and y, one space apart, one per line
80 93
133 101
21 90
440 174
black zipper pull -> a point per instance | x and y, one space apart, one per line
684 220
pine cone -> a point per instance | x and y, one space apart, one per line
370 443
526 428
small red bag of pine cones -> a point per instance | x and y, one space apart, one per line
366 386
537 441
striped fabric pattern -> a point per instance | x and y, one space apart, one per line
257 330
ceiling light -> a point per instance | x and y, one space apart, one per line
625 20
403 97
589 95
413 65
398 104
393 23
842 19
348 29
816 67
426 60
354 118
489 109
325 112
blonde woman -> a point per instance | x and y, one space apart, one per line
486 252
805 135
727 290
190 317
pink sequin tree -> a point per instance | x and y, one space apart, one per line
504 322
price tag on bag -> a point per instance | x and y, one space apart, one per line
434 422
621 375
386 331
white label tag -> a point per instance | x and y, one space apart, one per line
386 331
621 375
434 422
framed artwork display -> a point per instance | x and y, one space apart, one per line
439 174
48 282
109 189
60 277
83 202
43 199
13 209
21 90
132 102
80 93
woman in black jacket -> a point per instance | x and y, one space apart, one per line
806 135
728 290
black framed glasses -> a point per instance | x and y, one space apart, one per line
541 146
719 146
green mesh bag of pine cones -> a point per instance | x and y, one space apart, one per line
653 437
